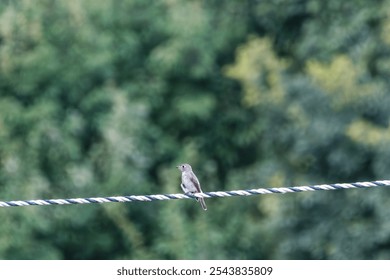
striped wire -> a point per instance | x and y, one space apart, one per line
158 197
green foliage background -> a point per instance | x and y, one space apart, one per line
101 98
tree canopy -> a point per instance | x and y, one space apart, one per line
101 98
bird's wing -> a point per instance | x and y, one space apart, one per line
195 181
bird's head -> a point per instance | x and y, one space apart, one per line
184 167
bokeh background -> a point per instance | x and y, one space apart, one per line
101 98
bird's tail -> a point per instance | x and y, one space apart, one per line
202 203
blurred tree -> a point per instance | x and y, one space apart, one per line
104 98
321 126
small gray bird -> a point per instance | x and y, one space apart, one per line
190 183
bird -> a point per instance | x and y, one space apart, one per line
190 183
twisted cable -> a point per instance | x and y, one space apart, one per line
158 197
